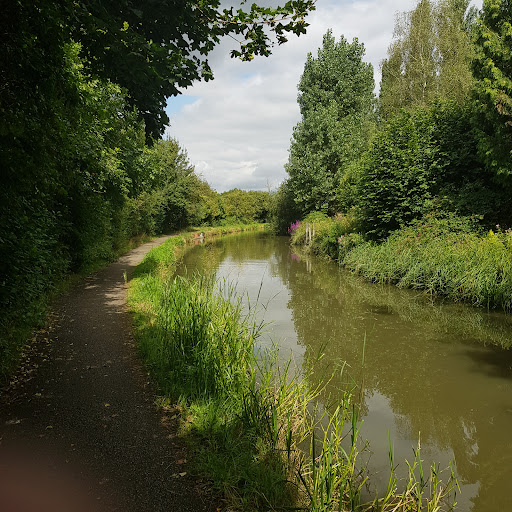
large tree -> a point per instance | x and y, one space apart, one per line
337 103
493 71
429 57
151 49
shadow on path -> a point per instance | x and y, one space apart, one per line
83 410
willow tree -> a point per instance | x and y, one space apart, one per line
337 104
429 58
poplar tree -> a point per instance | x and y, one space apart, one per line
429 57
337 104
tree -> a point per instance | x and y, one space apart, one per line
336 102
493 92
283 209
425 159
83 86
176 185
151 49
245 206
429 57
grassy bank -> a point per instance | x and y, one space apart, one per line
443 259
321 235
443 256
212 231
245 416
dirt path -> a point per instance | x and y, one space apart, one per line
80 422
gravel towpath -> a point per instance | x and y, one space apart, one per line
78 426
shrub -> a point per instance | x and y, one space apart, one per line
418 161
328 232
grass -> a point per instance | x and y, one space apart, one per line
460 265
19 326
443 255
257 428
212 231
327 233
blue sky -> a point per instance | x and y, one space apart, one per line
237 128
176 104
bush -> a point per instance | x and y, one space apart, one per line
418 161
328 232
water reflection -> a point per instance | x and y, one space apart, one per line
429 368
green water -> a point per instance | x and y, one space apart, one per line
432 371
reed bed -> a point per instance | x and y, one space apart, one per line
462 266
249 418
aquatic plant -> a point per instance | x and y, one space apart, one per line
443 259
293 227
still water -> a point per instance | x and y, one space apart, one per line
423 369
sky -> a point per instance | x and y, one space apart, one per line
237 128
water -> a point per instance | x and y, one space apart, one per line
431 370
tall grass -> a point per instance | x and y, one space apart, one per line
443 255
460 265
327 233
249 419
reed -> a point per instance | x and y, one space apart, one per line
328 232
462 266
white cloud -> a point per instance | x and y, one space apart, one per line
237 128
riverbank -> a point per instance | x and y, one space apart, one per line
442 256
243 416
212 231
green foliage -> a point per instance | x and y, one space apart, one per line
169 173
398 173
205 349
77 184
409 74
283 209
336 101
244 206
429 57
492 67
419 161
348 242
443 256
328 232
84 86
151 50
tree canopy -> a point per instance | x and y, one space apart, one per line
151 49
493 93
336 101
429 58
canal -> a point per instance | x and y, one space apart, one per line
420 368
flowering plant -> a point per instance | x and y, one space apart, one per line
293 227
